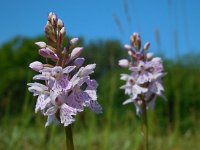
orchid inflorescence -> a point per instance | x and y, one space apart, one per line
67 87
144 83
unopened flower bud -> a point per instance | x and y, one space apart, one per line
47 26
128 47
135 34
74 41
50 15
36 65
53 19
79 62
149 55
47 53
50 32
62 32
146 46
41 44
133 37
136 41
76 52
60 24
123 63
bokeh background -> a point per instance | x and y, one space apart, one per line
172 27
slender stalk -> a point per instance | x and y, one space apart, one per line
69 138
145 124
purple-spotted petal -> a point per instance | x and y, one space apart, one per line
77 100
92 94
91 85
62 85
66 113
42 102
94 106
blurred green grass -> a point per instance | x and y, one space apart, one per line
173 125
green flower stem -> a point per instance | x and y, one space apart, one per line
69 137
145 124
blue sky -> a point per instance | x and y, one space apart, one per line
176 20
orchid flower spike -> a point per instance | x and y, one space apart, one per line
65 87
144 83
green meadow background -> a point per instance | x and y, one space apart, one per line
173 124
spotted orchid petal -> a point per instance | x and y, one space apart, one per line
94 106
42 101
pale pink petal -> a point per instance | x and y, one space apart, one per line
36 65
74 41
76 52
123 63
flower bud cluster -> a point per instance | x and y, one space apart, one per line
144 83
66 86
